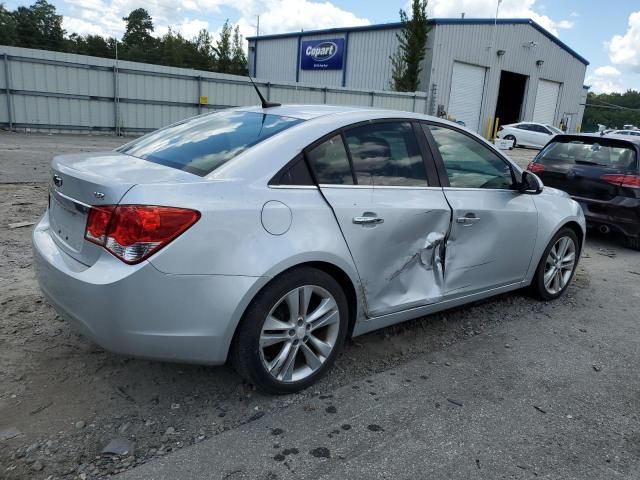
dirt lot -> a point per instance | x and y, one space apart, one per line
62 398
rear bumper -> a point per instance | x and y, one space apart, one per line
140 311
621 214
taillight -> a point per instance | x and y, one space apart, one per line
135 232
632 181
500 129
535 167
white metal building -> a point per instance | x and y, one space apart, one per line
475 69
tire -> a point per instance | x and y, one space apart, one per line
266 357
633 243
557 286
511 137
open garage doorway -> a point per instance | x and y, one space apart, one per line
510 97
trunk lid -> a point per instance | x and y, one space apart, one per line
80 181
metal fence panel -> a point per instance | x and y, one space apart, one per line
59 91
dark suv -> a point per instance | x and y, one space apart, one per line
601 173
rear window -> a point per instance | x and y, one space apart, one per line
201 144
590 152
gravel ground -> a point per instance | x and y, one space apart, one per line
63 398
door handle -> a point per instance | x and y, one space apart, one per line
468 220
368 220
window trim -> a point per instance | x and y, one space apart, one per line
442 170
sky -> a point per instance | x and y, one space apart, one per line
605 32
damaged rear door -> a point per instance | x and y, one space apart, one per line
493 228
391 210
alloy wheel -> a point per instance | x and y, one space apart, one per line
559 265
299 333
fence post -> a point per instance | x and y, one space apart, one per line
8 90
373 95
413 109
199 79
324 98
269 91
432 104
116 103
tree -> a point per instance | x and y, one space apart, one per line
7 27
137 42
206 51
614 110
412 43
238 57
139 26
223 49
38 26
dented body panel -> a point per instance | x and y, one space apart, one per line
398 258
495 248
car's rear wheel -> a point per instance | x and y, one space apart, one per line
512 138
292 331
557 266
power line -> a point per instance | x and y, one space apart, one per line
613 107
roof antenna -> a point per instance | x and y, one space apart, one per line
265 104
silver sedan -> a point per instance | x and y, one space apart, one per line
265 236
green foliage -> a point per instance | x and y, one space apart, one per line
38 26
223 49
412 43
238 57
601 109
7 27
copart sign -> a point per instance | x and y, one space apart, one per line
322 54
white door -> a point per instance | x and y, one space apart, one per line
467 89
544 110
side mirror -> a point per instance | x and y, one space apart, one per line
530 183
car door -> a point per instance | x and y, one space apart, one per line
391 210
494 227
524 134
541 135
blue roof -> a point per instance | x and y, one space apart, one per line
433 21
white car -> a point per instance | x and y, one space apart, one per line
635 133
528 134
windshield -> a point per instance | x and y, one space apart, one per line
201 144
590 152
554 129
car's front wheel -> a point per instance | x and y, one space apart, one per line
292 331
557 266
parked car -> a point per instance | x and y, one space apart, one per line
601 173
267 235
635 133
528 134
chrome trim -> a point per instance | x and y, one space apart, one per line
377 187
78 205
294 187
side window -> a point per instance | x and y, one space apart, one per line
470 164
540 129
296 174
523 126
330 163
386 154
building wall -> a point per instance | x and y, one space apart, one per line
473 44
368 66
58 92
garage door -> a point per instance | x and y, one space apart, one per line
544 110
467 88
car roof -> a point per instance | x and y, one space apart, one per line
307 112
626 138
